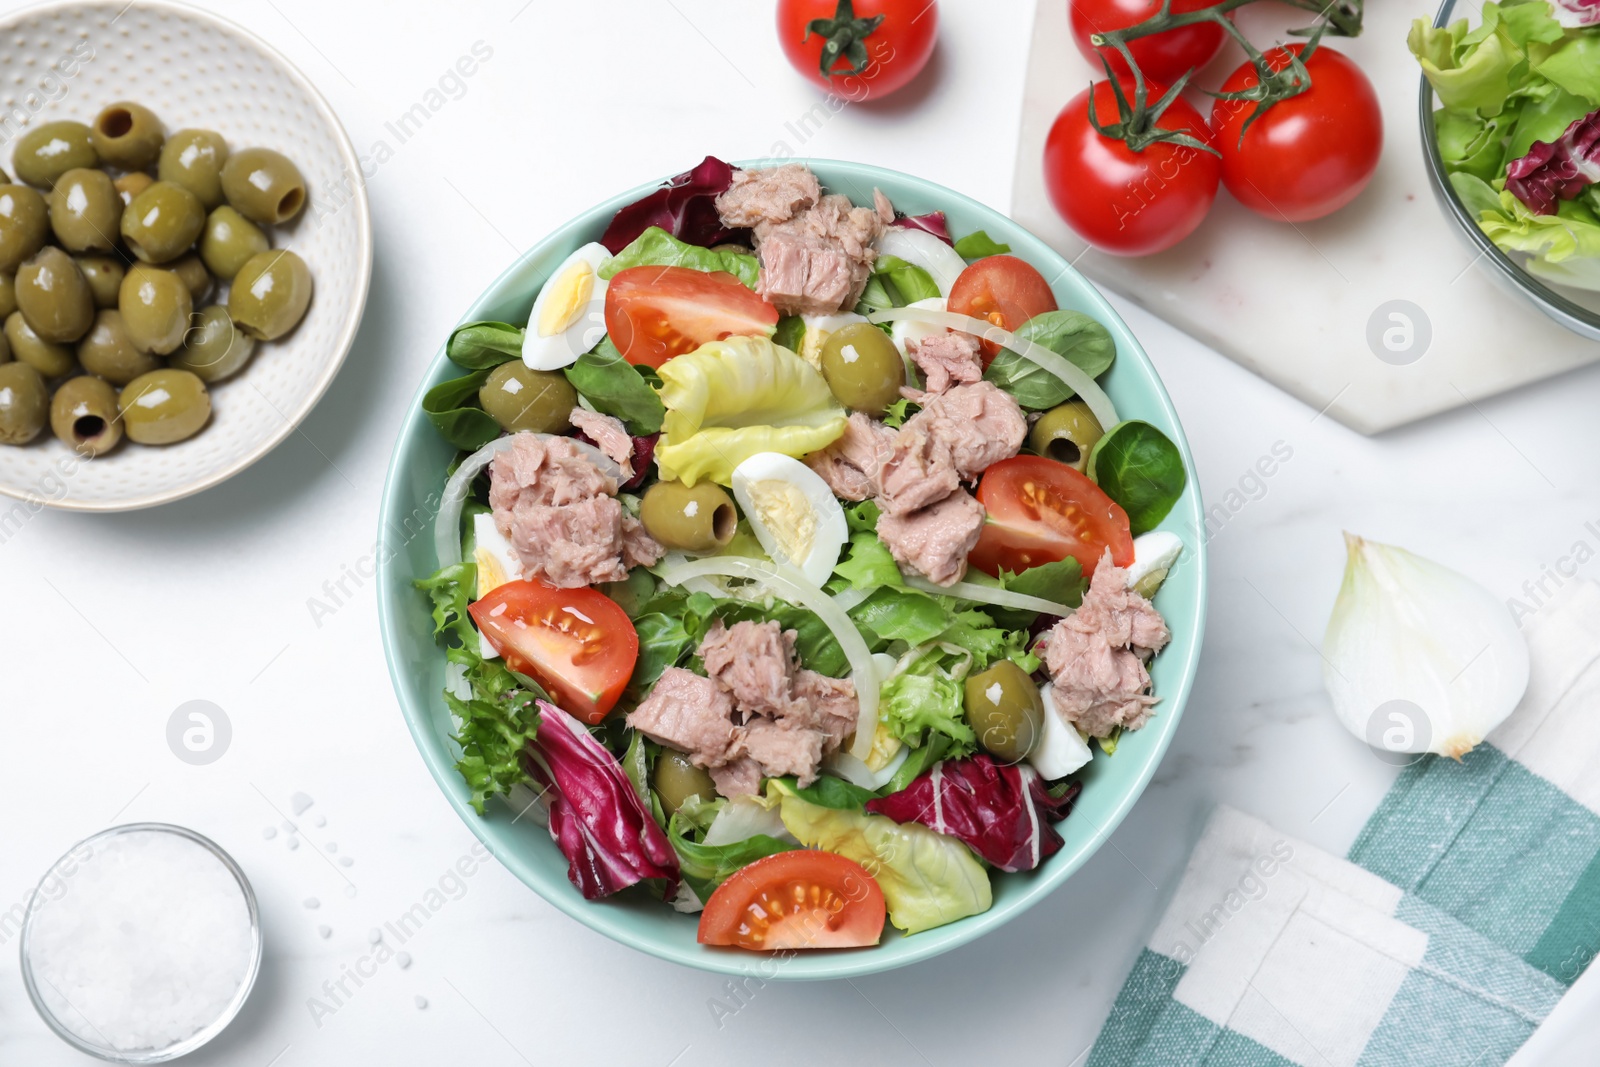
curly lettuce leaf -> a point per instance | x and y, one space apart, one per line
656 247
728 400
1563 248
1470 71
927 697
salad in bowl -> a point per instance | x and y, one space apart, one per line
793 567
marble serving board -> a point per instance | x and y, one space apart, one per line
1308 306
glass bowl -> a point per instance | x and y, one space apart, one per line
1577 310
177 1048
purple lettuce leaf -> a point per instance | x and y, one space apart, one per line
1576 13
685 207
933 222
596 817
1002 812
1559 170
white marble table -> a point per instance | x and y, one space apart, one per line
110 622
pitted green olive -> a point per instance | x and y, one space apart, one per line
24 225
164 406
47 357
194 159
107 350
46 152
162 222
128 136
54 296
270 294
194 274
214 347
132 184
1005 710
228 241
863 368
675 779
24 403
263 185
155 306
84 415
8 293
522 399
104 275
1066 433
696 518
85 211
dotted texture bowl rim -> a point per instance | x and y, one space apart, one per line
1112 785
1573 316
353 315
200 1037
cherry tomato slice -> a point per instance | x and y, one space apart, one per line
795 900
1003 290
655 313
1042 511
577 643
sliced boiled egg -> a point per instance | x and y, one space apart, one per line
1061 749
818 327
793 513
497 564
569 314
903 332
1154 553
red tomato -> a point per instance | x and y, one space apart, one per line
1003 290
794 900
1309 155
1163 57
1121 201
896 49
655 313
577 643
1041 511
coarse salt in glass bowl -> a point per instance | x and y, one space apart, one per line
141 943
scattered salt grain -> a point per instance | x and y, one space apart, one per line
374 935
403 959
150 932
332 846
269 832
320 821
420 1001
349 890
293 842
345 861
286 826
324 932
299 803
313 903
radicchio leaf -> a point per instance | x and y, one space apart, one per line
1576 13
685 207
596 817
933 222
1559 170
1002 812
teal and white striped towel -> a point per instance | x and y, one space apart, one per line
1469 903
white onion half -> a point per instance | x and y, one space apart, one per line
784 582
1086 387
922 249
988 594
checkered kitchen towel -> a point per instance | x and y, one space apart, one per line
1468 904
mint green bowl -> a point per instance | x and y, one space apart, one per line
416 663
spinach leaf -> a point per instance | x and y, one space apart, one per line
1067 333
876 296
901 615
478 345
791 333
830 792
1062 581
704 867
606 380
979 244
656 247
907 282
1141 469
918 763
452 407
869 563
664 641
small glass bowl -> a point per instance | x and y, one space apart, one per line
177 1048
1576 310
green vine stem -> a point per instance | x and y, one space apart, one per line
844 38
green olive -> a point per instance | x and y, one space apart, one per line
24 224
675 780
49 151
85 211
863 367
229 240
107 350
132 184
128 136
697 518
1005 710
164 406
522 399
8 293
162 222
84 415
214 347
5 348
1066 433
263 185
104 275
194 159
54 296
155 306
270 294
24 403
194 275
48 358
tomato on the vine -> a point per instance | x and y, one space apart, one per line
1163 57
874 46
1128 202
1306 156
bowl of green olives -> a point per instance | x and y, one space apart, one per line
183 266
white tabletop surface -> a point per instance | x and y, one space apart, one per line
110 622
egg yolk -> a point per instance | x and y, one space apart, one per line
885 747
566 295
783 509
490 573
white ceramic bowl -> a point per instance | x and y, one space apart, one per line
69 60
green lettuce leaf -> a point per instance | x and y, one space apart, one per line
927 697
1574 65
906 283
606 380
978 244
705 867
1468 71
656 247
894 614
830 792
927 879
1563 248
867 562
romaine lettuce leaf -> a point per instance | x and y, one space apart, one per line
656 247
